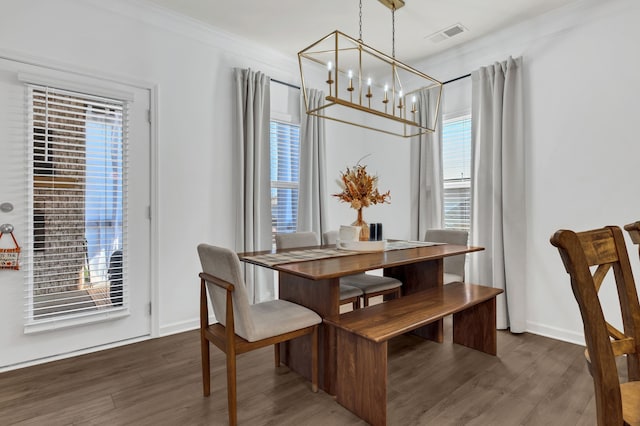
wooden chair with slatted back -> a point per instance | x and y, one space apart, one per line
617 403
243 327
634 232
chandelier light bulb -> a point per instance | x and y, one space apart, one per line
350 88
329 79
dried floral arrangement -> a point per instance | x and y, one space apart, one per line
359 188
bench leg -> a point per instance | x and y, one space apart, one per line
475 327
433 331
361 382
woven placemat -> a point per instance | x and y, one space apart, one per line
271 259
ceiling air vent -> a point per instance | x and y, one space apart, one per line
447 33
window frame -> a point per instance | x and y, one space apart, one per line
457 183
282 120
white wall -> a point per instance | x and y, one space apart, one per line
580 66
386 156
581 107
192 68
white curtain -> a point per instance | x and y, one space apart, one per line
498 201
312 195
426 171
253 182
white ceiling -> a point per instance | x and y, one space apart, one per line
289 26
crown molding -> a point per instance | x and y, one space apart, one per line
518 37
168 20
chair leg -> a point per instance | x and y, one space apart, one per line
365 300
231 388
206 368
314 359
633 367
356 303
276 354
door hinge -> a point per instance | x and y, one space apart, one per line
149 115
149 212
149 308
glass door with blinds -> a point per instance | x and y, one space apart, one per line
86 232
77 163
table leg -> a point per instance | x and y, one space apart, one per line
322 296
420 276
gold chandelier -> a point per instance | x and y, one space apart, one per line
367 88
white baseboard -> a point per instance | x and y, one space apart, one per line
555 333
71 354
166 330
179 327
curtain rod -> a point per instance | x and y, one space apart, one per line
457 78
293 86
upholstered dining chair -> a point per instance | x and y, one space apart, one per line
370 285
616 403
454 265
243 327
348 294
329 237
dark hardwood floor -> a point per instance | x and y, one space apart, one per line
533 381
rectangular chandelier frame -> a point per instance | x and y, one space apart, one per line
353 73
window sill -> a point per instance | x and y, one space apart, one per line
60 323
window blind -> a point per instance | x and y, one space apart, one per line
285 165
456 163
76 259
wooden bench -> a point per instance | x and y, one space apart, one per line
362 335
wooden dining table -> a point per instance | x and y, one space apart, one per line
315 284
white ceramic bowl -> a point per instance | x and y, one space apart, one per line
361 245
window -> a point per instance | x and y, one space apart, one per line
285 160
456 164
77 180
